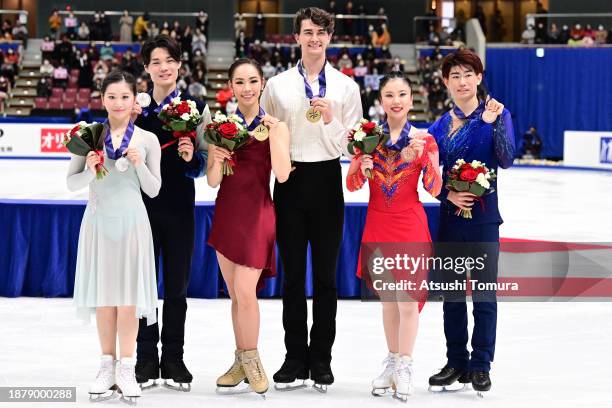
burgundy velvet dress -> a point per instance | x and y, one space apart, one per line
244 224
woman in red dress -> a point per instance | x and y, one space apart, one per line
396 218
243 229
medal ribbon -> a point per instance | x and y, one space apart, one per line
116 154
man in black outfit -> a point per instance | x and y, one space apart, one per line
171 215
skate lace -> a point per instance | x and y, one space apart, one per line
105 373
404 371
389 365
127 373
234 369
254 369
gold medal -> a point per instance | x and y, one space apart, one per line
260 132
313 115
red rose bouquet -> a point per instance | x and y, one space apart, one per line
364 137
84 138
472 177
181 118
228 132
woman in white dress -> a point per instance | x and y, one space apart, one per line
115 268
126 21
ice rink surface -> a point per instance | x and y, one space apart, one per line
554 354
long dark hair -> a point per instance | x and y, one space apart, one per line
243 61
116 76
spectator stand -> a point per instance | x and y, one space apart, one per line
575 29
11 64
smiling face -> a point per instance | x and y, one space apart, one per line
118 100
246 84
462 83
396 98
162 67
312 39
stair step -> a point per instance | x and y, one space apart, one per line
18 111
21 102
24 92
19 82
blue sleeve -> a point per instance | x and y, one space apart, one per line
197 166
503 139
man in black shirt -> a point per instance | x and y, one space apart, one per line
171 215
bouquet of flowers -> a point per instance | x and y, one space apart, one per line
472 177
181 118
364 137
84 138
228 132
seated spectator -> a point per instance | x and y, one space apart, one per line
397 64
20 33
232 106
153 29
197 90
577 31
60 75
553 34
43 87
46 69
83 64
345 62
383 36
198 41
588 32
47 47
360 71
376 112
575 40
100 70
528 36
10 64
83 32
106 52
601 35
64 50
268 70
564 35
224 95
532 144
5 91
97 89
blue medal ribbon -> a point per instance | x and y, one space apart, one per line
116 154
146 111
402 141
255 121
308 88
476 114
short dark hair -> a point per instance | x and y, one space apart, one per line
462 57
243 61
318 16
117 76
160 41
394 75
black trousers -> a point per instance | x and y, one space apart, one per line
310 209
173 236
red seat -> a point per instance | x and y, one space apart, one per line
57 92
84 92
55 104
82 103
55 100
74 73
71 93
96 104
288 39
40 103
69 104
73 83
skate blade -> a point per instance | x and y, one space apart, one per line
443 389
170 384
129 400
381 392
290 386
481 394
322 388
94 397
401 397
240 388
148 385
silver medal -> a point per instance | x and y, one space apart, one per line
143 99
122 164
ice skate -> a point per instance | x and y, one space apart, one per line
449 379
147 373
321 374
402 378
126 380
234 380
481 382
175 375
103 388
254 371
383 384
291 376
